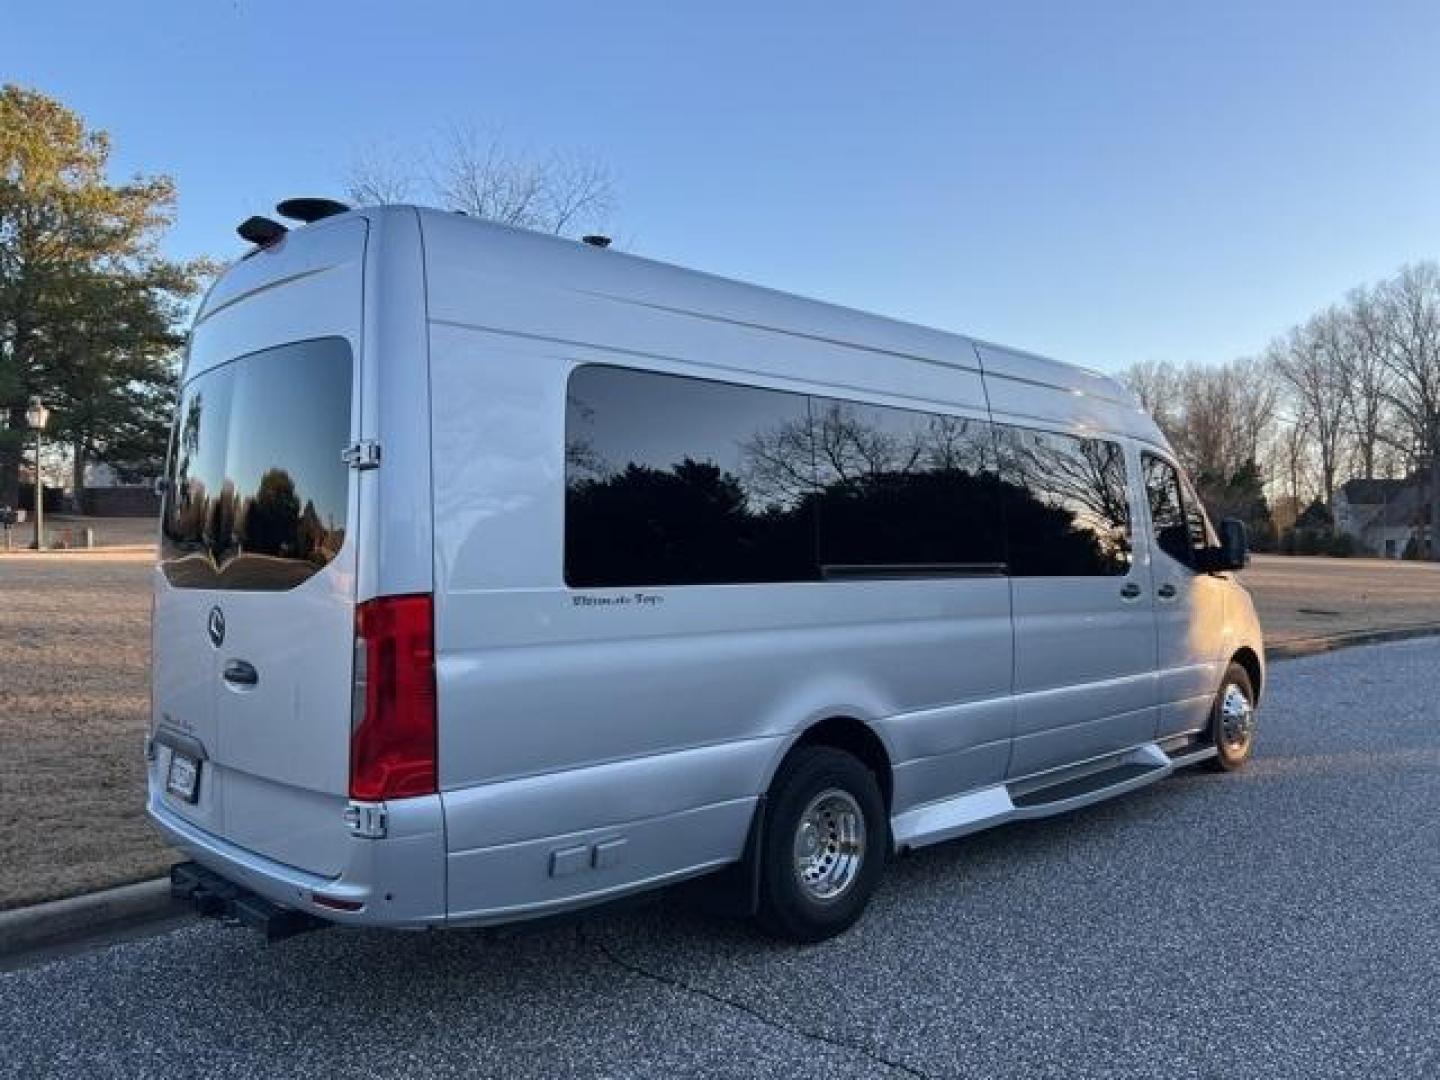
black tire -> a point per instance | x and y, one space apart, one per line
1232 753
833 785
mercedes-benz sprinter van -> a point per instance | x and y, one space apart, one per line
502 575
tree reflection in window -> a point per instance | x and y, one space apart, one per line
673 480
899 488
660 489
1067 506
258 493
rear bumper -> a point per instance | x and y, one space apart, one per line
398 882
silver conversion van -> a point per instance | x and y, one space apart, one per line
502 575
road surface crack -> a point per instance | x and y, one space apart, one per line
634 968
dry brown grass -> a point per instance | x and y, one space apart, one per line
74 671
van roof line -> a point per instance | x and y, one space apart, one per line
1004 361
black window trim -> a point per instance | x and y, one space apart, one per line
907 571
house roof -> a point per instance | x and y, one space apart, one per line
1404 509
1372 492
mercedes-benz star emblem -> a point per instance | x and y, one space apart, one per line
216 626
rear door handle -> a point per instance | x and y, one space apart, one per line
1131 590
1166 591
241 673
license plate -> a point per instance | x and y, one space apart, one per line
183 779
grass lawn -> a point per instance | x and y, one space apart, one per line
74 693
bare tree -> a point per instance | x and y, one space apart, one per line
1294 465
476 171
1355 388
377 178
1411 303
1208 436
1157 384
1218 417
1256 395
1366 377
1311 361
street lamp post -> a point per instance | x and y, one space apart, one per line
36 416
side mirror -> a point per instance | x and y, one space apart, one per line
1233 551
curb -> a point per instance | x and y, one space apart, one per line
89 915
1293 650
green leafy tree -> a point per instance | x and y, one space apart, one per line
89 310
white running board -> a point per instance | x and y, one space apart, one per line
949 818
1067 789
1193 757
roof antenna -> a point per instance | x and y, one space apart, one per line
596 240
261 231
309 209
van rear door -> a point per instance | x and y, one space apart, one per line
255 591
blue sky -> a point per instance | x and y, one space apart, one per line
1103 182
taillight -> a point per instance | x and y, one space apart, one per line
392 737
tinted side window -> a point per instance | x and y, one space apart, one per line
675 481
1066 508
1176 518
905 492
258 492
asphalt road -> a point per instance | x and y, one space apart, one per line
1284 922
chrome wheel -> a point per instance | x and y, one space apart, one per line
829 845
1237 721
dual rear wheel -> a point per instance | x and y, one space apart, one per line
823 848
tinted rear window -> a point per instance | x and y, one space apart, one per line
258 494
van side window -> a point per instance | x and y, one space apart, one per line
1179 528
680 481
672 480
1067 508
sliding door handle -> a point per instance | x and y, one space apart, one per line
1166 591
1131 590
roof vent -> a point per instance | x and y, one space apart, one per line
596 240
261 230
308 210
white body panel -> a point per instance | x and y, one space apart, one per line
593 741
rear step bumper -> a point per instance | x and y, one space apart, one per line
396 882
219 898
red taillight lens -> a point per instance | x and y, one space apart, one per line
392 744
